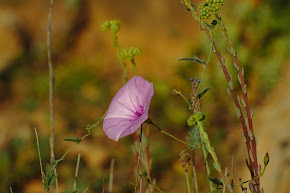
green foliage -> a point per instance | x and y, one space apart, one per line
193 119
194 139
70 191
74 139
194 59
216 181
49 178
266 159
113 25
122 53
129 53
202 93
210 6
217 166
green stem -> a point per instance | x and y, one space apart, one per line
260 175
148 181
173 137
187 182
207 167
185 99
189 6
149 121
210 149
203 74
62 158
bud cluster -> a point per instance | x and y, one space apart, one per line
194 95
113 25
185 160
129 53
210 5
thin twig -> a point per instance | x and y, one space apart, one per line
232 175
39 156
195 189
111 175
247 107
51 85
11 190
54 168
140 185
139 157
77 171
187 182
86 189
51 75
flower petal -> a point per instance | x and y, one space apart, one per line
114 127
129 108
135 126
140 92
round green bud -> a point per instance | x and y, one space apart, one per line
199 116
266 159
175 91
115 26
191 121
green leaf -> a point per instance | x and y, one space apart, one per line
216 181
194 59
74 139
238 111
203 92
231 85
194 139
217 166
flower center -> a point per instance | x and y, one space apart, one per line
139 112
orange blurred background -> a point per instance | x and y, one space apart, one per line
87 76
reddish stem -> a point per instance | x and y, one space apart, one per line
237 104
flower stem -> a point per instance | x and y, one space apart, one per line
210 149
195 190
168 134
149 121
139 157
187 182
185 99
260 175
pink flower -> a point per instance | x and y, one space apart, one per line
128 109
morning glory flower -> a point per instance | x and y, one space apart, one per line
128 109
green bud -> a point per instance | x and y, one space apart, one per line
175 91
115 26
199 116
105 25
193 119
266 159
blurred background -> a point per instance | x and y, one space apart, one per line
87 76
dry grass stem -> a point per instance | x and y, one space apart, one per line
111 175
77 171
39 156
87 189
